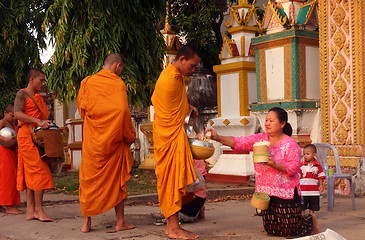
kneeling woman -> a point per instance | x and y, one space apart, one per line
279 178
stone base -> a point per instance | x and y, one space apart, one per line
231 163
149 163
226 179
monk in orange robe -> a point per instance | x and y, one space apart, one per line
34 174
9 196
107 134
174 161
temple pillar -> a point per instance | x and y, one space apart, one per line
342 61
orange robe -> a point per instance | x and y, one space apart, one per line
108 131
174 162
33 172
8 159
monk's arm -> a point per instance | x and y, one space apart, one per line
19 109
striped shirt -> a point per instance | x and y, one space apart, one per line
309 175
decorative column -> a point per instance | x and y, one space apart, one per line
342 59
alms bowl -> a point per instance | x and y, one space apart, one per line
52 125
7 132
200 149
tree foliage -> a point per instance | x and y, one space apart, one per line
199 21
86 31
21 38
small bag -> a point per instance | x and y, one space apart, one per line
49 141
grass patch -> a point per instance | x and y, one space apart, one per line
139 183
66 182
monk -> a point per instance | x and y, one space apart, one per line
9 196
34 175
108 132
174 162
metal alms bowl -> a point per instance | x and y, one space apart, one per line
52 125
7 132
201 150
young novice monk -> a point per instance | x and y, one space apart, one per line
9 196
311 173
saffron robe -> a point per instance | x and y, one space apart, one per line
8 160
107 133
33 172
174 161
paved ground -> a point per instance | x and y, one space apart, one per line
232 219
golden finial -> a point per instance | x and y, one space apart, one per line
167 25
242 2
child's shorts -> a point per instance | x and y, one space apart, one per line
311 202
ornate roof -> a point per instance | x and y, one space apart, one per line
273 10
235 14
172 42
229 49
276 17
306 11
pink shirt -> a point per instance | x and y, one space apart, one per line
269 180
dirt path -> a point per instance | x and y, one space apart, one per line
225 220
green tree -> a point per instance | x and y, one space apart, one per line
21 38
85 32
199 21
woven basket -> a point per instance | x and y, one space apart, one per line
261 154
260 200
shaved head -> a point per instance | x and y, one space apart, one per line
188 51
112 59
34 72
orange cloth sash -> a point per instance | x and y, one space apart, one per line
174 162
8 159
33 172
107 133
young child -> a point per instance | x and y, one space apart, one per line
9 196
311 174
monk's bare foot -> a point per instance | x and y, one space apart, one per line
13 210
180 233
86 225
125 226
42 216
2 209
30 214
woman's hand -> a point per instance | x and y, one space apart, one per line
277 166
210 133
271 163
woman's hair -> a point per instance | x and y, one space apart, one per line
283 117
